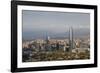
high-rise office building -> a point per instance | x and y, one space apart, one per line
71 41
47 45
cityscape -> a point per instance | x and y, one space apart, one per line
56 49
55 36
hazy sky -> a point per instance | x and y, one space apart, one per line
37 23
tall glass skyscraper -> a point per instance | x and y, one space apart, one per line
71 41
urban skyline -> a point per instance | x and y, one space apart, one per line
49 36
49 49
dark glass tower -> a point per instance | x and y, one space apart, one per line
71 42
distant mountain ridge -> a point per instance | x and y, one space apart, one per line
36 35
